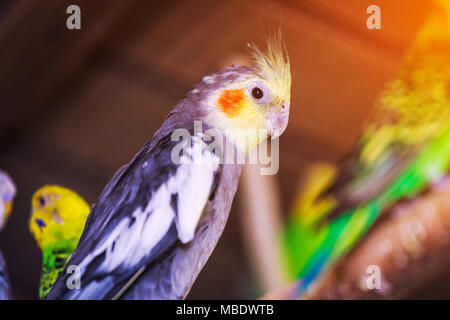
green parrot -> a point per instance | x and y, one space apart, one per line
404 150
56 223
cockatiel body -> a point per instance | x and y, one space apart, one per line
57 221
159 218
403 151
7 194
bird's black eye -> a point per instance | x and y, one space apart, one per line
42 201
257 93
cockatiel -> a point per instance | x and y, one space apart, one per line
57 221
159 218
7 194
404 150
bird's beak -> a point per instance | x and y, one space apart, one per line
7 202
8 207
277 120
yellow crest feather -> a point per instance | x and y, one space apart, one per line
273 64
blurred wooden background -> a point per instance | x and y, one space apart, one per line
76 105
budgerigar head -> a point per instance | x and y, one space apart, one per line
7 194
242 99
58 214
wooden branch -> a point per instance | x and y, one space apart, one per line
410 246
261 220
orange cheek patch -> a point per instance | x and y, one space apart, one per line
231 101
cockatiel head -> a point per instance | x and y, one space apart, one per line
7 194
242 100
58 215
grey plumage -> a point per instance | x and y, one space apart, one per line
171 266
166 280
7 193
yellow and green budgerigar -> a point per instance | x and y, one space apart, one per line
57 221
403 151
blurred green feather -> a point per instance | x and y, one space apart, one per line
404 149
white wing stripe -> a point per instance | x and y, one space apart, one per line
127 245
196 188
